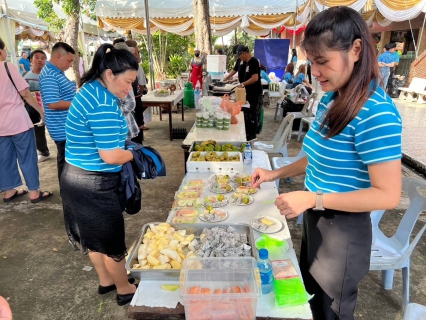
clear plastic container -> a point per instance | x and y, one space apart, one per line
220 288
183 215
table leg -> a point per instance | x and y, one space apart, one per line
183 107
170 122
160 110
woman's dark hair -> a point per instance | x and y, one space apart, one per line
262 67
107 57
294 53
220 51
289 68
2 45
336 29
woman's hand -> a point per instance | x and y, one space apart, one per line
293 204
261 175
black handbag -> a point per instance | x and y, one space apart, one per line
34 115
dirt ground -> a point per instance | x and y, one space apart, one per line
42 277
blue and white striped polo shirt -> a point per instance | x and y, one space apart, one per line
94 122
54 87
340 164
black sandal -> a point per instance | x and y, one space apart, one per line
42 196
16 195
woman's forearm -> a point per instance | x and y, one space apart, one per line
292 170
26 94
116 156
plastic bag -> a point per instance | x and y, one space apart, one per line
233 108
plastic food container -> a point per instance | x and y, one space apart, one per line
220 288
183 215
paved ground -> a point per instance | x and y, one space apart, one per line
42 276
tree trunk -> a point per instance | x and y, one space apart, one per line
203 33
71 37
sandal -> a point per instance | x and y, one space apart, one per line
42 196
17 194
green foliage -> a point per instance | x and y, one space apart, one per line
164 46
45 12
177 64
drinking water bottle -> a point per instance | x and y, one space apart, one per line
265 269
248 155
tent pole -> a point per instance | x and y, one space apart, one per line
421 34
294 30
148 34
11 36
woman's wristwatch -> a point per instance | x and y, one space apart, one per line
319 206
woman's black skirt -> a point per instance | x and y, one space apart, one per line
92 211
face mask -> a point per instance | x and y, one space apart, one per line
197 54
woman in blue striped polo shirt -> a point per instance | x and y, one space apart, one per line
96 132
353 162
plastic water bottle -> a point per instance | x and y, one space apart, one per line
198 86
265 268
248 155
197 96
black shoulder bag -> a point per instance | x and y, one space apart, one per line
34 115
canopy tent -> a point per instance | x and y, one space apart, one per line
176 16
24 33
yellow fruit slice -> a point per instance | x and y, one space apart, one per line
170 287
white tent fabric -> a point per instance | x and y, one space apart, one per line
184 8
358 5
400 15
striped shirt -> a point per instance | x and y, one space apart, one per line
94 123
340 164
54 87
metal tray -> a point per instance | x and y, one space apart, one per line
195 228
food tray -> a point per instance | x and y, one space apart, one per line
214 188
214 178
234 143
245 189
229 167
197 229
241 175
161 94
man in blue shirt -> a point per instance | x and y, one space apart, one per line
24 64
57 92
385 63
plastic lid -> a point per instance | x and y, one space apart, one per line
248 145
263 254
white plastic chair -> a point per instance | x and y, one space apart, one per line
414 311
279 143
279 99
388 254
279 162
307 108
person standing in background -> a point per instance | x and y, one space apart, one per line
24 64
197 66
308 71
139 87
38 61
294 56
253 85
57 92
239 67
385 64
17 141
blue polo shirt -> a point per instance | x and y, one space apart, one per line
94 122
26 63
340 164
54 87
299 78
288 77
395 56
